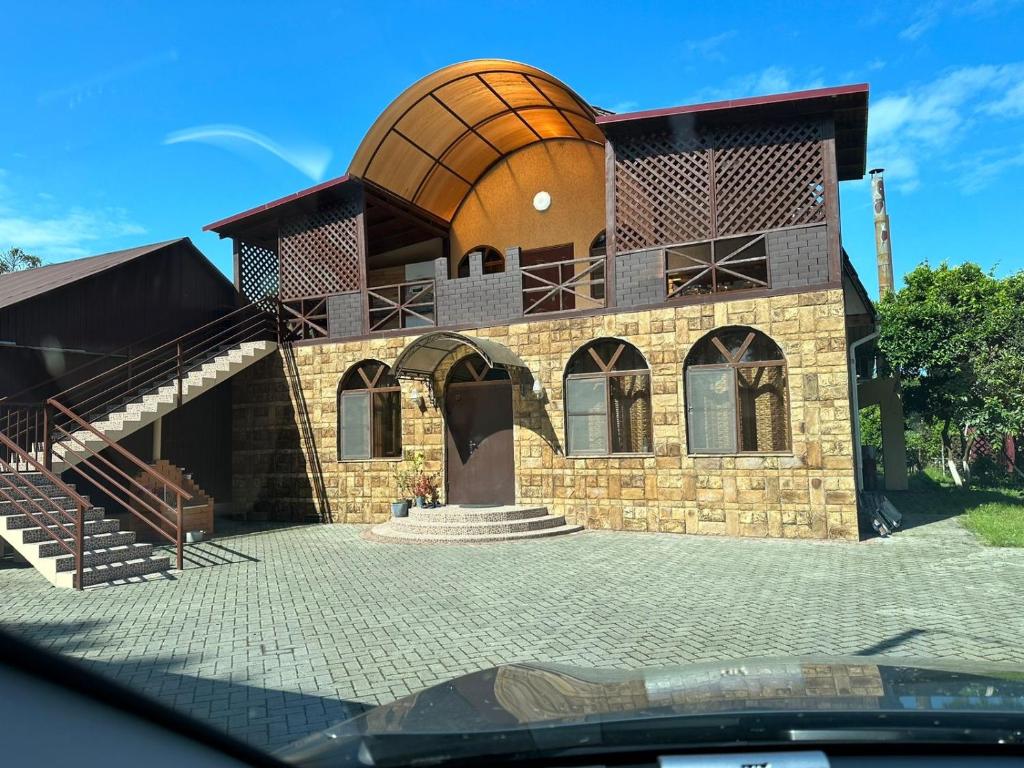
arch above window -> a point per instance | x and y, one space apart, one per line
608 400
369 412
737 393
492 258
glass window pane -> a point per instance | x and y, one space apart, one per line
588 434
355 425
387 424
711 410
586 396
631 414
764 411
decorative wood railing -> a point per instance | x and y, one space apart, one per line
402 305
556 286
27 496
303 319
715 266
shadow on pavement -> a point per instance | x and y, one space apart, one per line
264 717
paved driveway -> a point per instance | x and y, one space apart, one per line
288 631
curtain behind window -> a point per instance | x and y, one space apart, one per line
764 414
631 413
711 410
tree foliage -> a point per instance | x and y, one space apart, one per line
14 259
955 335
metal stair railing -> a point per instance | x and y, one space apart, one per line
15 487
164 506
168 363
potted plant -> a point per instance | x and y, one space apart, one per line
403 480
424 489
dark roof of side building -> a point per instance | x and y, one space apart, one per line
25 284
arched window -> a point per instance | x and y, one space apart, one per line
369 413
493 261
608 400
598 247
737 396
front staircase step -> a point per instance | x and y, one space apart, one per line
39 534
481 527
95 557
116 571
387 534
456 524
51 548
35 518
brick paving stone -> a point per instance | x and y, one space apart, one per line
308 625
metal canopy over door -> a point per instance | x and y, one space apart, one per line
478 435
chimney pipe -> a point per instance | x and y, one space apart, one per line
883 243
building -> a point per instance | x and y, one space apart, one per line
640 321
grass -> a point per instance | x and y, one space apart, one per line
993 513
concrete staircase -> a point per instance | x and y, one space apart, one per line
111 555
150 406
455 524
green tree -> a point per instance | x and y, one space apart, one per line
954 336
14 259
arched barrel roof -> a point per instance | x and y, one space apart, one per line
435 141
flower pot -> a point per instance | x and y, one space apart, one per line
421 502
400 508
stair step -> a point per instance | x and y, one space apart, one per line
96 557
387 534
50 548
458 513
476 528
39 533
36 518
118 571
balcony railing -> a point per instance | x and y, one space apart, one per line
402 305
563 285
304 318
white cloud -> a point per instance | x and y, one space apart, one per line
979 171
56 234
771 79
710 48
623 106
312 160
910 130
73 94
931 14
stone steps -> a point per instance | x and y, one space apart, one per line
456 524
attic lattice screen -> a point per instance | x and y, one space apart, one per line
759 177
258 274
320 252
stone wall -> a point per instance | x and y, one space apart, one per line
798 257
497 296
640 278
345 314
805 493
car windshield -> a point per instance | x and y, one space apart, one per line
363 382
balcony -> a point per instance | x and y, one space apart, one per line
402 305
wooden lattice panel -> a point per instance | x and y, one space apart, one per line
320 252
768 176
662 191
258 274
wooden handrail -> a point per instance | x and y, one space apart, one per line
565 262
111 444
420 281
50 476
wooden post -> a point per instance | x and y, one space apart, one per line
47 446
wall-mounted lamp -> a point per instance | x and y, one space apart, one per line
538 389
416 397
542 201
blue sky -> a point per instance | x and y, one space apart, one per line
127 123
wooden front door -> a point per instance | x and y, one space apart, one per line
558 300
480 463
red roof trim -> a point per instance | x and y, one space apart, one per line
756 101
275 203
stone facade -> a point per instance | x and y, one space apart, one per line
805 493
